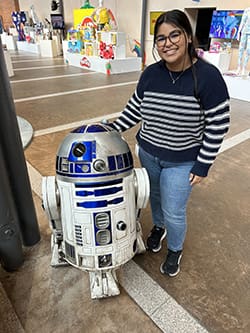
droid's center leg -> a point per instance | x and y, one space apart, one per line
103 284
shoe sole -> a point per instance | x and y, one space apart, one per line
171 274
161 240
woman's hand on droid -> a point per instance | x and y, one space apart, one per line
194 179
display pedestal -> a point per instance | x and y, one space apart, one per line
58 42
238 87
64 47
221 60
48 48
132 64
28 47
11 42
8 63
3 38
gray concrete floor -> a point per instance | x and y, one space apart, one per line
212 291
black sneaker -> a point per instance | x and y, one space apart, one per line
171 266
155 239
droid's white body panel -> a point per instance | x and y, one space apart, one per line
83 234
93 205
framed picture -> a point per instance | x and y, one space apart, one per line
153 18
57 21
225 23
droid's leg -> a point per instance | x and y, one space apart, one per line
142 194
51 207
103 284
140 248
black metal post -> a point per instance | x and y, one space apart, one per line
14 160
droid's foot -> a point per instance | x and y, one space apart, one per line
57 258
103 284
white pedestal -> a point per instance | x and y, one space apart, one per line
3 38
8 63
57 40
126 65
48 48
238 87
64 47
220 60
28 47
11 42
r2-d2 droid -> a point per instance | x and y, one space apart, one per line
93 205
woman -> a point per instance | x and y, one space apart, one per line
183 106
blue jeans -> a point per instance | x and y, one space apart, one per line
169 192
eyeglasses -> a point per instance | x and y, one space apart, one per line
174 38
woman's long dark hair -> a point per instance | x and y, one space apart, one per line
179 19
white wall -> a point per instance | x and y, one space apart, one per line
192 7
43 8
128 13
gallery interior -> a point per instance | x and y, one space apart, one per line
76 209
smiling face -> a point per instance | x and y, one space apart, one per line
172 45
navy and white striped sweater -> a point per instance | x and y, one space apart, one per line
173 127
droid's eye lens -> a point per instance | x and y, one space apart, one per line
99 165
79 149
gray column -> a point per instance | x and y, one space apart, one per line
11 255
14 160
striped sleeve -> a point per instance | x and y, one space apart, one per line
131 114
215 103
217 121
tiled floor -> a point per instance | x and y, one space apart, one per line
212 292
